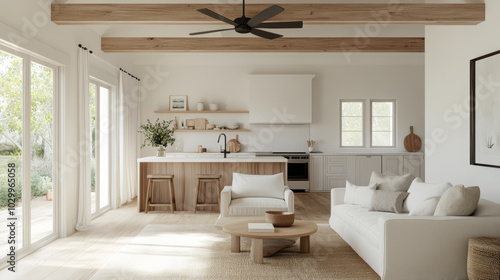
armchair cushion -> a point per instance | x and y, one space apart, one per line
245 185
255 206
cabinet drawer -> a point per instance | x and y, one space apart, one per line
336 165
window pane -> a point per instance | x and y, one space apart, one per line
382 108
104 146
382 139
92 89
352 124
352 139
42 207
11 108
382 124
352 109
382 119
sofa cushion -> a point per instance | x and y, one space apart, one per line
487 208
420 191
388 201
245 185
255 206
361 220
391 183
426 207
359 195
458 201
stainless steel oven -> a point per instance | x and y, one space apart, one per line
297 169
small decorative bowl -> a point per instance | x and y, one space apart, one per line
280 218
210 126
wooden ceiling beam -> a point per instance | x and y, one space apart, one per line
339 13
249 44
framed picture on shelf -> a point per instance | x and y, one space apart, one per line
485 110
178 103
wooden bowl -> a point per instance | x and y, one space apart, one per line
280 218
210 126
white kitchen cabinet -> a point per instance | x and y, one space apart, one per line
316 173
280 99
365 165
339 169
414 164
392 165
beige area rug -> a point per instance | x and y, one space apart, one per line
203 252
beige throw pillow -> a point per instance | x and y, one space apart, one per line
391 183
458 201
388 201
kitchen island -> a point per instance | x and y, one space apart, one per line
185 167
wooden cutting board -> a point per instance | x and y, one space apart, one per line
412 142
234 145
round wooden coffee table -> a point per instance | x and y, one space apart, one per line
302 229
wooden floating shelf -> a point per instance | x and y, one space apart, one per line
213 130
202 112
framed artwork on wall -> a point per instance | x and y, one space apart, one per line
178 103
485 110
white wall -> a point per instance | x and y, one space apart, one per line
448 51
26 23
222 79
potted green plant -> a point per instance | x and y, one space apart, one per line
157 134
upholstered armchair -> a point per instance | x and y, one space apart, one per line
253 195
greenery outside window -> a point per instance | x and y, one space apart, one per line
383 123
351 123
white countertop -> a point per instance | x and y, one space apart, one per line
211 157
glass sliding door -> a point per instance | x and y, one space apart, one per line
100 126
11 142
27 128
42 153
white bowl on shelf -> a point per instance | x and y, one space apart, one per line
233 126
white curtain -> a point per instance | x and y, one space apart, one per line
84 216
129 94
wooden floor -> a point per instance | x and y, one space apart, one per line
80 255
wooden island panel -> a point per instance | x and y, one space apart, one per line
185 180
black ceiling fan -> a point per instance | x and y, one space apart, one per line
251 25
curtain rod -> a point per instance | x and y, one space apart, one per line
130 74
109 64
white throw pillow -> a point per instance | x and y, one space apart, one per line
420 191
426 207
458 201
359 195
391 183
245 185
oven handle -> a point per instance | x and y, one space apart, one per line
298 161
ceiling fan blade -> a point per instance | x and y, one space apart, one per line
215 15
210 31
265 34
283 24
265 15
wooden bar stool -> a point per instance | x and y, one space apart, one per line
207 178
152 178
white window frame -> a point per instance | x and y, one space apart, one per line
394 120
28 57
363 105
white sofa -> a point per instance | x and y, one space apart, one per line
398 246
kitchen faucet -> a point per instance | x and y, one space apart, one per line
225 140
